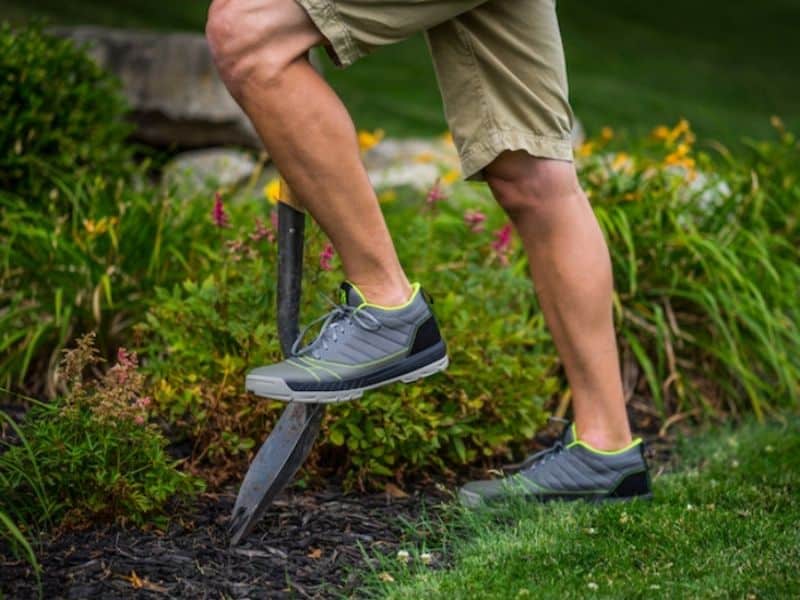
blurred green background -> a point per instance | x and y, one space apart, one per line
726 65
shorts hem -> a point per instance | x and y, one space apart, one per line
342 49
478 155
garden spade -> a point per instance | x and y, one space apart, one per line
292 438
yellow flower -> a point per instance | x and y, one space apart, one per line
447 138
681 127
272 191
661 132
606 134
620 162
669 136
451 176
388 195
424 157
368 139
585 149
99 227
679 156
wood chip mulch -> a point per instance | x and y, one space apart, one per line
310 544
307 546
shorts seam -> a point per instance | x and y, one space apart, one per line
327 19
481 153
463 34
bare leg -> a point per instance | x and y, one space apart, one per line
260 47
571 269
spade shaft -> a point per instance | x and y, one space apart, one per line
288 444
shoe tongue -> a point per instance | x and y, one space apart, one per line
569 434
350 295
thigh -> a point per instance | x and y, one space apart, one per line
354 28
502 75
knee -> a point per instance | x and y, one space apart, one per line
248 45
524 185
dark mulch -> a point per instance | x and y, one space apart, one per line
309 545
306 547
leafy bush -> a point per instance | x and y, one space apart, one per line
203 336
91 270
13 533
62 119
706 273
91 453
706 287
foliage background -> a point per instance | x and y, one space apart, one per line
723 64
704 240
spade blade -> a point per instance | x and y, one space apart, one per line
282 454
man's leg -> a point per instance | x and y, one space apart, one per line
260 47
571 269
384 330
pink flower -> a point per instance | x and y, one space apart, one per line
475 220
126 359
144 402
326 256
262 231
236 248
218 214
138 419
435 194
501 245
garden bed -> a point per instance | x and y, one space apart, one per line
308 545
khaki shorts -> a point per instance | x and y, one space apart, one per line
499 64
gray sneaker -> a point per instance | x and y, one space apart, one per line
360 346
569 470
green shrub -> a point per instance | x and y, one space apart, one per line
78 241
61 119
91 270
91 453
13 532
203 336
706 271
706 285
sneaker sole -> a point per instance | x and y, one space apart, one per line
472 500
277 389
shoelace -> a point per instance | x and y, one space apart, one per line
333 321
541 457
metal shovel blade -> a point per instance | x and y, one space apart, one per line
284 451
287 446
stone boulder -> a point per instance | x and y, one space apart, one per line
171 84
208 169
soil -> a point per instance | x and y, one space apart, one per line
310 544
307 546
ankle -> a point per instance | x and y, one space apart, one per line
608 439
385 294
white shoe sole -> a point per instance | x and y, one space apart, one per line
276 389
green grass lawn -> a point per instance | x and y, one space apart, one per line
727 525
725 65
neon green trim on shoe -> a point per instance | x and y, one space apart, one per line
577 442
318 366
586 446
296 363
316 362
415 287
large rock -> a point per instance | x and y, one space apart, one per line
171 84
417 162
208 169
